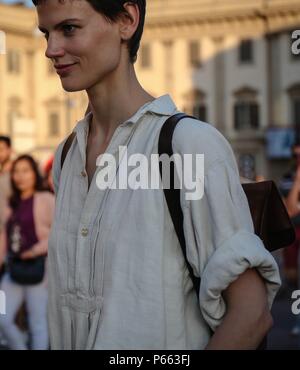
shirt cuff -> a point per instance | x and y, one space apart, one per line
240 252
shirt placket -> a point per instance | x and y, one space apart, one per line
89 225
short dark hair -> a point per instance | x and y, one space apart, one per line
111 9
6 140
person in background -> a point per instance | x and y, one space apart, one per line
28 219
5 167
291 254
287 180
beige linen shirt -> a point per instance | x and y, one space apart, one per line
117 276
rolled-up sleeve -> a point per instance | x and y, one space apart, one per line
221 239
240 252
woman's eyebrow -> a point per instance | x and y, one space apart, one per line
58 25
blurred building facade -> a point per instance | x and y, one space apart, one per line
228 62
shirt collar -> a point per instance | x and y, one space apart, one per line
162 105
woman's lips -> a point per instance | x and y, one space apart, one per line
62 70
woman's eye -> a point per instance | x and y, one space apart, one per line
68 28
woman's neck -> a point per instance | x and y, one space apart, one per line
26 194
116 100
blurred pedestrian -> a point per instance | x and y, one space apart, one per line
5 167
288 189
291 254
24 245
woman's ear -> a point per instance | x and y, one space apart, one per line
129 21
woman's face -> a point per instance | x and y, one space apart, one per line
23 176
79 36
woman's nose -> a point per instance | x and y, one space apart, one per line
54 48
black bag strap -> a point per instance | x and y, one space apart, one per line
172 195
69 141
66 148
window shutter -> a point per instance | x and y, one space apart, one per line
237 116
254 116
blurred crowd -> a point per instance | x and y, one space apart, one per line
26 212
290 190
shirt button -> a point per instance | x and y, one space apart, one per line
83 173
84 232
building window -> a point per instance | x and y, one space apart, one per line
246 115
12 117
194 54
195 104
53 124
145 56
13 61
294 96
296 111
296 114
246 109
246 51
13 112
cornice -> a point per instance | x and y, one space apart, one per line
178 12
182 14
17 19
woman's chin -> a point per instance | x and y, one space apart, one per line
70 86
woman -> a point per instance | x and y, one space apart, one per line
24 246
117 277
291 255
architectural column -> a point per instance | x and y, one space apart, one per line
219 84
30 84
168 62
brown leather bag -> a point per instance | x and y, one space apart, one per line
270 218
